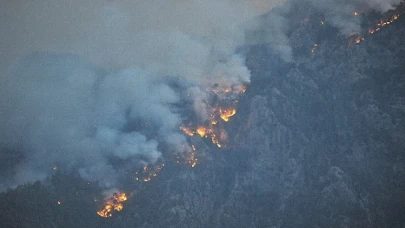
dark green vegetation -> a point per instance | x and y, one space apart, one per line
316 143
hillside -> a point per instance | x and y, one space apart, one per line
317 142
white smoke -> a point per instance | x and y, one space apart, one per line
59 110
96 88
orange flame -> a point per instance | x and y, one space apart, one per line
225 114
203 131
115 203
358 39
383 23
187 131
211 127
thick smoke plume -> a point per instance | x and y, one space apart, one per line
85 83
88 85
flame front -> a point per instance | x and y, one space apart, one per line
371 31
383 23
115 203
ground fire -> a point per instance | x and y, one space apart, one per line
114 203
383 23
191 159
357 39
221 109
148 172
225 114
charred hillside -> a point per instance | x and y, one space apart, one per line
316 142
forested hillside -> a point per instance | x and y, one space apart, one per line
317 142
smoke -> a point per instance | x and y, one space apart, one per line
59 110
340 13
85 85
273 28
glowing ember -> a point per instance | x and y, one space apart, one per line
115 203
226 90
147 173
215 140
240 88
358 40
191 159
314 48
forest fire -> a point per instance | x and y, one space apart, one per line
114 203
187 131
191 159
358 39
208 129
147 173
226 114
224 90
383 23
203 131
223 100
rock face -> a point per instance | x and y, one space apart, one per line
316 143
